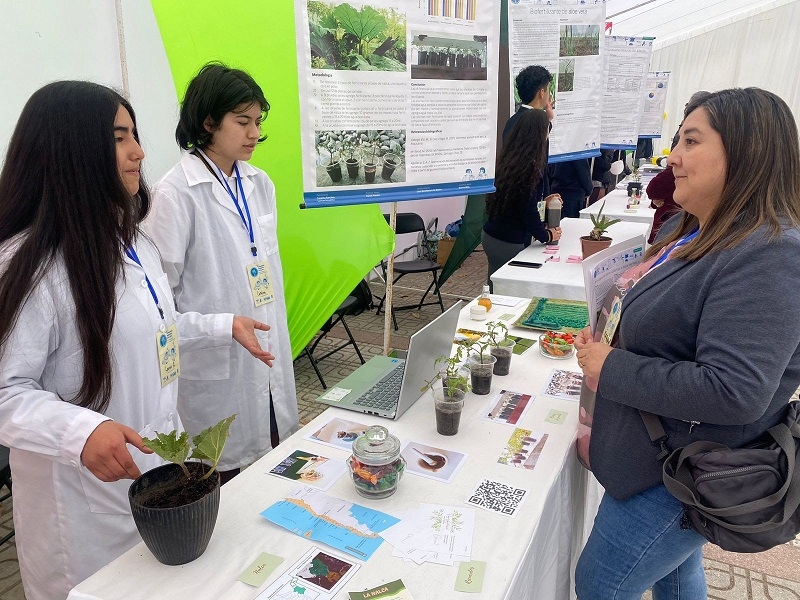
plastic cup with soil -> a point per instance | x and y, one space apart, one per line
448 410
481 367
369 172
390 162
503 352
334 171
352 167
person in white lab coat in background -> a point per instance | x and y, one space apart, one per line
213 218
82 301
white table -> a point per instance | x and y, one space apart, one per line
531 555
561 280
616 202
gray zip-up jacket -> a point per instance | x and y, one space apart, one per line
711 346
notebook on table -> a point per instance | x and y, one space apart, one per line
388 387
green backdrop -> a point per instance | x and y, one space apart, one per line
326 251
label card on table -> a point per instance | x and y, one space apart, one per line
262 567
470 576
556 416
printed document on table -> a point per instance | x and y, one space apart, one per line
434 528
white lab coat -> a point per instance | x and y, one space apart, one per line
205 249
68 523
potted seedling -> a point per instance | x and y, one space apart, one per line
481 367
350 151
635 184
175 505
500 346
327 147
370 164
596 241
448 400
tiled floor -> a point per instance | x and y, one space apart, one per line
772 575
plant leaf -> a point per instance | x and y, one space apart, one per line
365 24
170 446
208 444
384 63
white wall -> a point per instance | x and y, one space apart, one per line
48 40
760 48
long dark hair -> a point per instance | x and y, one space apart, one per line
60 188
214 92
762 183
521 163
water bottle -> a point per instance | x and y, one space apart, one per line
553 217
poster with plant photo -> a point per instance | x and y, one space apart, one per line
396 99
567 39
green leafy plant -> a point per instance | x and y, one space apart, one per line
206 445
451 375
496 333
601 223
350 146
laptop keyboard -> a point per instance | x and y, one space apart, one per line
384 394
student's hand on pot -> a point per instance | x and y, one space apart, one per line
244 333
106 453
584 336
556 233
591 358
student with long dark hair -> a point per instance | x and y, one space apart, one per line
83 303
214 220
515 212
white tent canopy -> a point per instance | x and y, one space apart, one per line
716 44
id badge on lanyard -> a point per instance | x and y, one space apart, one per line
169 359
540 206
260 281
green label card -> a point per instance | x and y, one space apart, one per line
470 576
556 416
257 573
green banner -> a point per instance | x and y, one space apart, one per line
325 252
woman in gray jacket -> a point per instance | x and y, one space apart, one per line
708 339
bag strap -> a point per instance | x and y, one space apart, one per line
656 432
681 485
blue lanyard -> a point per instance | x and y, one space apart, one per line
684 240
135 258
248 223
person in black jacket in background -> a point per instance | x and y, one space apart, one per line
516 210
572 180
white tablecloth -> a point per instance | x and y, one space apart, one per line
531 555
558 279
616 203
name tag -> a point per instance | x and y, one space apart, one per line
260 283
541 206
169 360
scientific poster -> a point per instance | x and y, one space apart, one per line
627 61
567 39
655 99
397 99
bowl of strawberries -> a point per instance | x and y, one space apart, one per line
557 344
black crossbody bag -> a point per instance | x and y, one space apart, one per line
741 499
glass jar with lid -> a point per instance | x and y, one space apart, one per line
376 465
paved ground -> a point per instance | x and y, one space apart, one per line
772 575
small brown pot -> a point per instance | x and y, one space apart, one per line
369 172
590 246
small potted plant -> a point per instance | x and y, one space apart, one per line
635 184
327 148
448 400
500 346
481 367
370 164
596 241
390 162
350 151
175 505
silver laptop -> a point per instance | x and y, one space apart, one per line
387 387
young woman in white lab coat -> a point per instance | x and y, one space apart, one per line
214 218
82 300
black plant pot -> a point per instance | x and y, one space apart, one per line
180 534
388 168
369 172
634 187
335 171
352 167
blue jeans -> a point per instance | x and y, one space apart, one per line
637 544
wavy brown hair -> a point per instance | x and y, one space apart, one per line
762 183
521 163
61 192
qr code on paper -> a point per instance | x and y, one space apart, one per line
497 497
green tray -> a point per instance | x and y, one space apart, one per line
557 315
